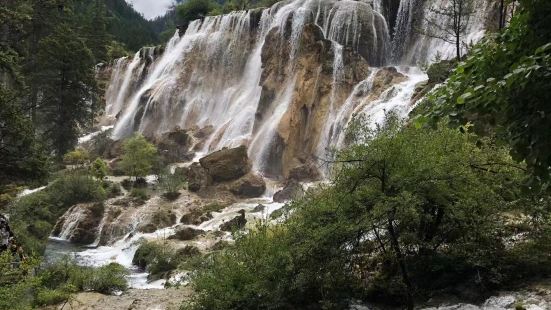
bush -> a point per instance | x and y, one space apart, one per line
68 277
98 169
46 297
157 258
139 194
138 156
409 207
77 157
32 216
171 183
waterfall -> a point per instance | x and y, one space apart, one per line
214 75
70 222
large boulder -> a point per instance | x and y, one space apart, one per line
195 217
292 190
160 219
227 164
174 145
236 223
186 234
80 223
304 172
196 176
249 186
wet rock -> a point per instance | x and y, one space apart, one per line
196 176
187 233
80 223
188 251
292 190
384 79
174 145
236 223
227 164
6 235
259 208
305 172
160 219
195 217
249 186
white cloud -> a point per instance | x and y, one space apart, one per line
151 8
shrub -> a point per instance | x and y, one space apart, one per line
98 169
157 258
46 297
139 194
138 156
68 277
171 183
78 156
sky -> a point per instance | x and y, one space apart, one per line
151 8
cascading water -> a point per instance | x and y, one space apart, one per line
211 76
286 82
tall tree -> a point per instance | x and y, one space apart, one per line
449 23
66 82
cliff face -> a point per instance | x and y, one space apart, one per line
283 81
319 86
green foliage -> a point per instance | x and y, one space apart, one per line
21 156
15 281
98 169
171 183
67 277
116 50
195 9
32 217
409 209
128 26
65 76
138 156
139 193
503 87
160 258
78 156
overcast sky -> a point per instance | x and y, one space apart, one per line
151 8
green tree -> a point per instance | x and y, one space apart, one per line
195 9
503 87
138 157
65 78
98 169
409 210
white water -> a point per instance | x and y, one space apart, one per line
27 191
212 76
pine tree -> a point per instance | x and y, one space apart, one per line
65 78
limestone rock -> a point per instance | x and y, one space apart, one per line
292 190
80 223
174 145
196 176
305 172
236 223
249 186
195 217
259 208
160 219
187 233
227 164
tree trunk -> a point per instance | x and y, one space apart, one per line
401 263
501 14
